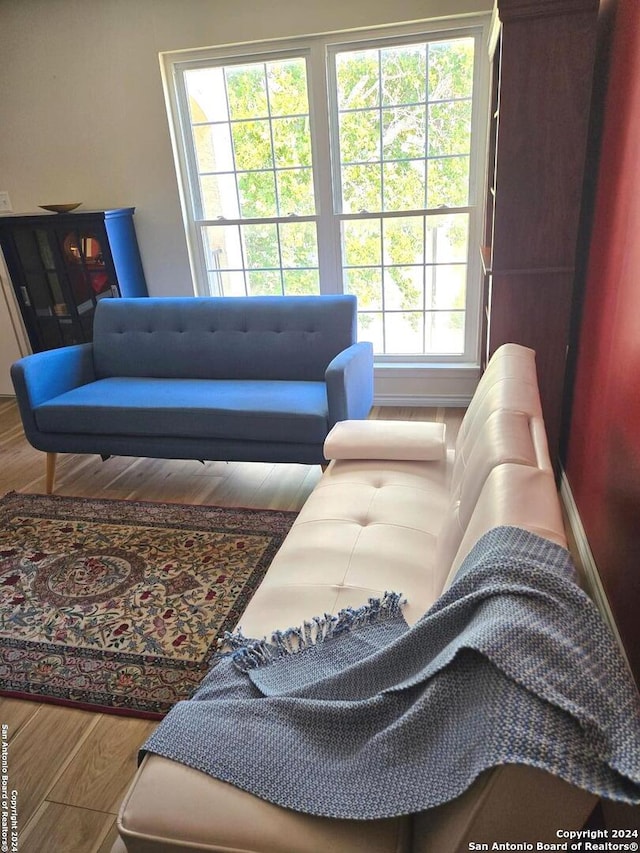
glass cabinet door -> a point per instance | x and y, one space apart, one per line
64 271
43 291
90 274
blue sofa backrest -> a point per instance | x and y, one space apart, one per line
287 337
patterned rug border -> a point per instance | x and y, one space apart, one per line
131 505
240 521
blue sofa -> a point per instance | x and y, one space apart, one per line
248 379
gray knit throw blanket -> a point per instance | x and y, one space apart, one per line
360 716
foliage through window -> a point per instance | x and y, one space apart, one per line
364 182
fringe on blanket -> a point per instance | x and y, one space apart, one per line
249 653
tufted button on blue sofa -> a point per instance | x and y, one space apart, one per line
259 379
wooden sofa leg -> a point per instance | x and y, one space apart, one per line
51 472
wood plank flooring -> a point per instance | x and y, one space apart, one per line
71 768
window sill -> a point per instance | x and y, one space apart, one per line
424 384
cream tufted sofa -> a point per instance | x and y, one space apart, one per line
394 510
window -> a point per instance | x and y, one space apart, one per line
341 167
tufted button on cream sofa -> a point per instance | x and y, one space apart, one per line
393 511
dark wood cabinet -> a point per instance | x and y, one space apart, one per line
542 59
61 265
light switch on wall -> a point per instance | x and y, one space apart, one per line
5 202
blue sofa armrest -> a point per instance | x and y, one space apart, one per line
44 375
349 379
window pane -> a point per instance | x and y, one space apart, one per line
287 84
404 74
360 136
299 244
404 332
246 138
448 182
295 192
219 196
450 128
214 284
366 285
276 258
204 148
358 80
404 132
292 142
404 185
252 145
261 246
424 105
362 188
447 238
403 288
222 247
213 147
206 93
247 91
264 283
371 328
257 194
422 273
361 244
301 282
404 240
444 332
446 286
451 69
422 93
233 283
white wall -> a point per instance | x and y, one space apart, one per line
82 108
13 339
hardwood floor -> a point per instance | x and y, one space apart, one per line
71 768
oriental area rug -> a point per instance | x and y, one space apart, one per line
118 605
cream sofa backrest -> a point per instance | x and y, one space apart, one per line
509 394
504 437
516 495
509 382
509 362
503 426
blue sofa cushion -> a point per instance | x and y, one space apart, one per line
230 337
250 410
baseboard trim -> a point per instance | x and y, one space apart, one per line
588 565
418 402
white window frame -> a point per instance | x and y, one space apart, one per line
320 52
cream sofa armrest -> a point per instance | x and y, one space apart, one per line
512 805
419 441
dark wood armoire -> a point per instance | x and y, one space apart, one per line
542 65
